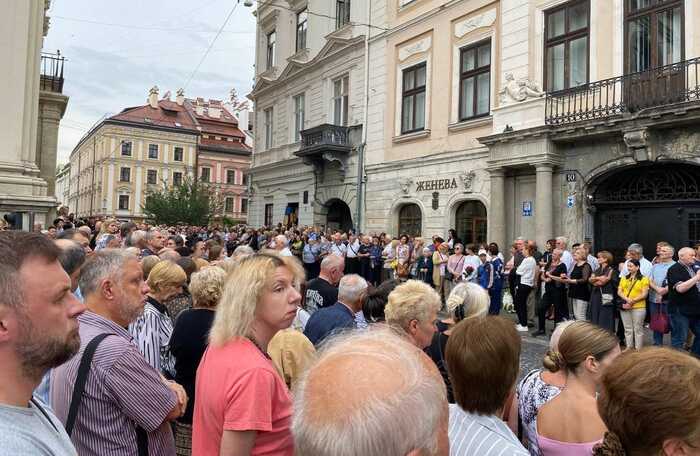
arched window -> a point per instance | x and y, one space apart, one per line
410 220
470 222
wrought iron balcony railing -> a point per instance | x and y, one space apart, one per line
52 72
323 138
633 92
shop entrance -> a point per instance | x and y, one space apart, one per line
470 222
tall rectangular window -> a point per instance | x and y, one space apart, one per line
244 205
230 176
244 180
413 99
126 148
340 100
206 175
178 154
654 35
299 102
177 178
566 45
153 151
123 202
228 205
475 80
270 50
268 127
302 25
151 177
125 174
268 215
342 13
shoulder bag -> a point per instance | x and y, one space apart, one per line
79 387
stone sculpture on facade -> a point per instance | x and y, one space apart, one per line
468 180
515 91
405 185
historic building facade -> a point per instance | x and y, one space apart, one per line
309 100
536 118
223 158
433 78
29 130
119 160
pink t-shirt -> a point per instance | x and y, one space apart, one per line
238 389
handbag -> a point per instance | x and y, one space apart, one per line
448 275
402 269
659 320
606 298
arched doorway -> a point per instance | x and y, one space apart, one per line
338 217
410 220
470 222
647 204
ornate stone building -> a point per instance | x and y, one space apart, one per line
33 92
536 118
309 99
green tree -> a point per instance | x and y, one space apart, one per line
191 203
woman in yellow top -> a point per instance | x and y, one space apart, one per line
633 290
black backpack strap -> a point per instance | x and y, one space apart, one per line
79 388
43 412
81 380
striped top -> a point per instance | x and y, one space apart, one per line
151 332
472 434
122 391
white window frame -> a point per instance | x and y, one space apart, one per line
182 176
270 49
343 98
182 149
411 62
148 171
128 202
473 38
269 125
201 174
131 148
148 152
231 170
233 205
299 115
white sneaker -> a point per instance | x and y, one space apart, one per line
520 328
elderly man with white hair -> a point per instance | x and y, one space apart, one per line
398 409
282 245
342 314
636 252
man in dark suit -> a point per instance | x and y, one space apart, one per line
684 300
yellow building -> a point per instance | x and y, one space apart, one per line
118 161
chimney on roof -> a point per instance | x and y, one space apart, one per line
180 99
153 97
214 109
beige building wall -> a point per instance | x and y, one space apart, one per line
96 164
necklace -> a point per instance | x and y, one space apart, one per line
254 342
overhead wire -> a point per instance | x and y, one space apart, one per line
150 28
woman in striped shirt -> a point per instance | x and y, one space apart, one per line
152 330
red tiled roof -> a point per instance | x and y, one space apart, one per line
168 114
225 125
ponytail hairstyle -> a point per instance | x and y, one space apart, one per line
577 342
610 446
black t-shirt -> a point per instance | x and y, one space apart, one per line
436 351
319 294
554 286
688 303
187 344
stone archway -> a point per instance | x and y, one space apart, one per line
410 220
646 204
338 215
471 221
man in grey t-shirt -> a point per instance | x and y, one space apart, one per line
38 331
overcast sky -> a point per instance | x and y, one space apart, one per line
117 50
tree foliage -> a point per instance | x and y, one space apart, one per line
190 203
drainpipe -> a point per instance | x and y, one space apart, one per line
363 145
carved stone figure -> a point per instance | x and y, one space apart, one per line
405 184
519 90
468 180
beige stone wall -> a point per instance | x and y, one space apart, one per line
96 166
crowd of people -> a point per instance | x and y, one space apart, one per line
128 339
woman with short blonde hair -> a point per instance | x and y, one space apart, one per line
413 307
152 329
190 340
243 406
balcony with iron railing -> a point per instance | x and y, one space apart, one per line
678 83
51 72
324 138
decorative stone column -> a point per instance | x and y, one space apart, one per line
52 106
543 203
497 209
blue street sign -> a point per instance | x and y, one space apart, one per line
527 208
570 201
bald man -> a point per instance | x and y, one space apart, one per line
322 291
398 409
